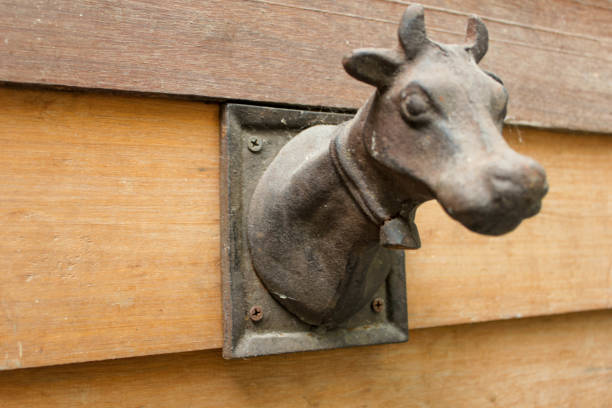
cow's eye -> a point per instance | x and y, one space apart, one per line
415 106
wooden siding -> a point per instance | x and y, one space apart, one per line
554 55
552 362
109 211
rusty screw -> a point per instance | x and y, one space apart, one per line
256 313
378 305
254 144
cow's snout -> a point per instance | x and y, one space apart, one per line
495 198
518 186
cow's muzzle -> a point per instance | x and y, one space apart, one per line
496 199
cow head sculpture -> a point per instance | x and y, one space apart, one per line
437 119
336 201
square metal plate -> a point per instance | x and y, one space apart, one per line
279 331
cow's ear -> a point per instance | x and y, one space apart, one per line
374 66
477 37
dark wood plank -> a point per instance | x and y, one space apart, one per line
560 361
553 55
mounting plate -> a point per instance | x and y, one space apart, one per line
251 138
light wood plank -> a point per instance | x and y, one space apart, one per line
563 361
110 220
553 55
109 212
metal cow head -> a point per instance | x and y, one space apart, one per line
437 118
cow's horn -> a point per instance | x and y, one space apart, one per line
478 38
411 30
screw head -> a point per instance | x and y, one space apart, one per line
254 144
378 305
256 313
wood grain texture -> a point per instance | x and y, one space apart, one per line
554 55
110 220
109 212
557 362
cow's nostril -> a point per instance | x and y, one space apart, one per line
505 184
536 185
522 176
518 192
536 177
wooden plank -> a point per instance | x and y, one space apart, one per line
554 55
563 361
110 219
109 209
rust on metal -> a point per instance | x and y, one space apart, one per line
256 313
378 305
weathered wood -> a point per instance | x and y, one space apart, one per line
563 361
109 212
553 55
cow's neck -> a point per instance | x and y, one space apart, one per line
380 193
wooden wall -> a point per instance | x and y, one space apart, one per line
553 55
547 362
110 213
109 208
